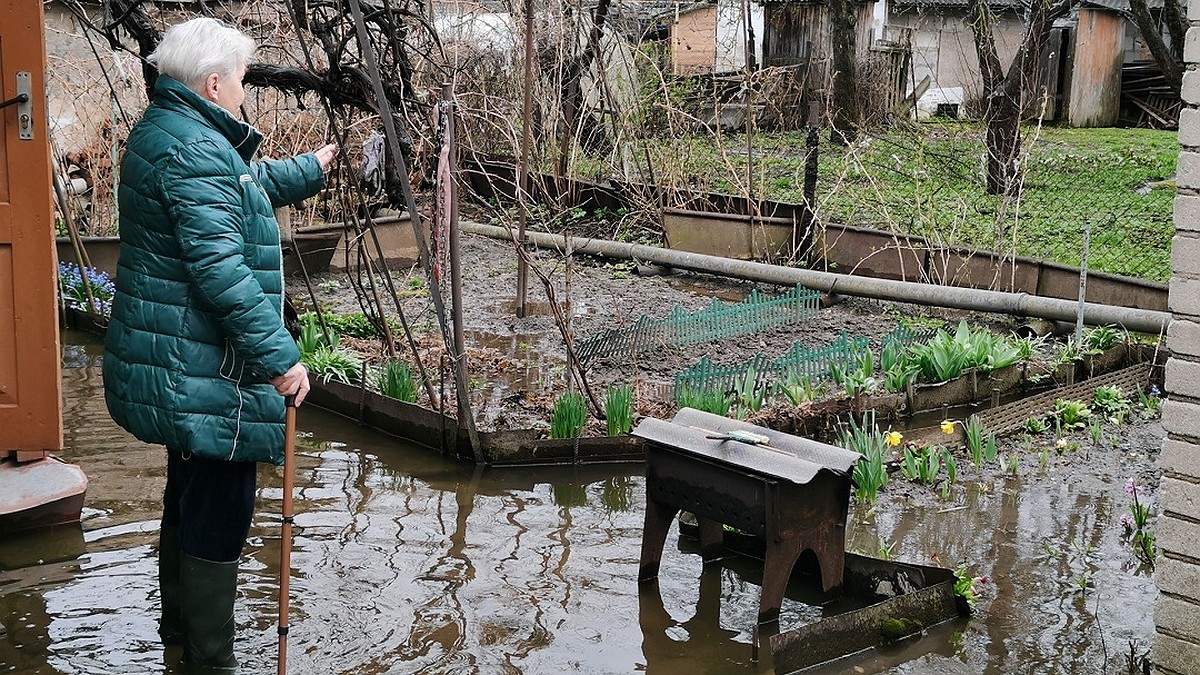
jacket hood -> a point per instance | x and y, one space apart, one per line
174 95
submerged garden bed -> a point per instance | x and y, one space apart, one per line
653 341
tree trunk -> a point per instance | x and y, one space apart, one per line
843 19
1002 119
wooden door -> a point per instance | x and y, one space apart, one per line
30 389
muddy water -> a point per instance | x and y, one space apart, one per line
405 563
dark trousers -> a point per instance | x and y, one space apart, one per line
211 502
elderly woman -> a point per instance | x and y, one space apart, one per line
197 357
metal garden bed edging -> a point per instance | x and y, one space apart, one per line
439 432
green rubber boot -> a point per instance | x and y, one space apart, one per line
170 626
207 592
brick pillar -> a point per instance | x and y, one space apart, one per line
1177 612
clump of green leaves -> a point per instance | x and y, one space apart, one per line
311 336
946 356
396 381
898 369
1111 400
1099 339
965 585
749 394
1035 426
568 416
334 363
921 464
798 388
870 475
976 442
326 359
1072 414
1151 402
708 399
859 378
1137 524
618 409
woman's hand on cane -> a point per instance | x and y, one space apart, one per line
293 383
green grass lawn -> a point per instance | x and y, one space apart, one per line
927 180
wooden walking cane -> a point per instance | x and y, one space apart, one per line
285 537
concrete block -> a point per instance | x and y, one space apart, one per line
1183 377
1191 45
1184 296
1180 457
1185 254
1193 12
1190 91
1187 213
1187 170
1183 337
1182 537
1175 656
1177 578
1182 418
1189 127
1183 498
1178 617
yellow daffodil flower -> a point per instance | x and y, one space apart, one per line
948 427
894 438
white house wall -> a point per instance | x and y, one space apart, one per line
731 34
944 47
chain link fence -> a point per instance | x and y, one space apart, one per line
927 180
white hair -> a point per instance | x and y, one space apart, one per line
193 50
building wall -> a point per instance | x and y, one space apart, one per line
693 41
1177 613
944 47
731 34
1096 76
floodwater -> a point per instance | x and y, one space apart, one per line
407 563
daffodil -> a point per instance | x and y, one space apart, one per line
894 438
948 427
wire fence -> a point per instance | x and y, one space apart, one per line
716 321
800 361
927 180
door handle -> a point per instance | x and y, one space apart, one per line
24 102
19 98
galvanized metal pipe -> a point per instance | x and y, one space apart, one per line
974 299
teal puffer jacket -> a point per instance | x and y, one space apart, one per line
197 331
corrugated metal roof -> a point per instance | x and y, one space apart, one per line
1119 6
784 455
957 4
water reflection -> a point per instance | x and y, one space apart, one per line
404 562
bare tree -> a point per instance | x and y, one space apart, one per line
1168 57
843 20
1004 93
